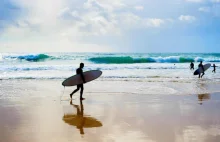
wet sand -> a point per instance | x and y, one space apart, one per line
39 111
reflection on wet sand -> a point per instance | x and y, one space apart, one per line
203 97
80 120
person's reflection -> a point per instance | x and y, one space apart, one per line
203 97
79 120
80 115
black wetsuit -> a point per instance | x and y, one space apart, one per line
214 68
192 66
80 86
201 65
80 71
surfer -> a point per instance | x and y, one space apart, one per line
80 86
214 66
191 66
201 65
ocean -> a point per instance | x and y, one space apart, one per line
115 66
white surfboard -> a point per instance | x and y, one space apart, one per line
199 70
77 79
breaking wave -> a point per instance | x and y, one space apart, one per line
131 60
109 58
28 57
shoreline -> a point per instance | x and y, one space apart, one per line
139 86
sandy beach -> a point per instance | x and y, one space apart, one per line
41 110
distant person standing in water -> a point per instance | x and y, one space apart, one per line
191 66
80 86
214 66
201 65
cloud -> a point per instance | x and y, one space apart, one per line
214 10
215 1
93 18
204 9
8 12
154 22
187 18
47 24
88 21
109 5
195 1
139 8
203 1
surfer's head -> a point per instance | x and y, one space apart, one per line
81 65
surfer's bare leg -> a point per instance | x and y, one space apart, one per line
77 89
199 75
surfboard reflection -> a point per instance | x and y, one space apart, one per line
79 120
203 97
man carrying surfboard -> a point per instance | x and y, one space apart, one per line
203 70
80 86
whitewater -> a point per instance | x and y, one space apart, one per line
115 66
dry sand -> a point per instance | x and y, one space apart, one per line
119 111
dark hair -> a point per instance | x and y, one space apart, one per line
81 64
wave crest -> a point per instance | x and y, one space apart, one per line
130 60
35 58
28 57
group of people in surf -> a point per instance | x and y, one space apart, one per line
201 66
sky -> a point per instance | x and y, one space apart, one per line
110 26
